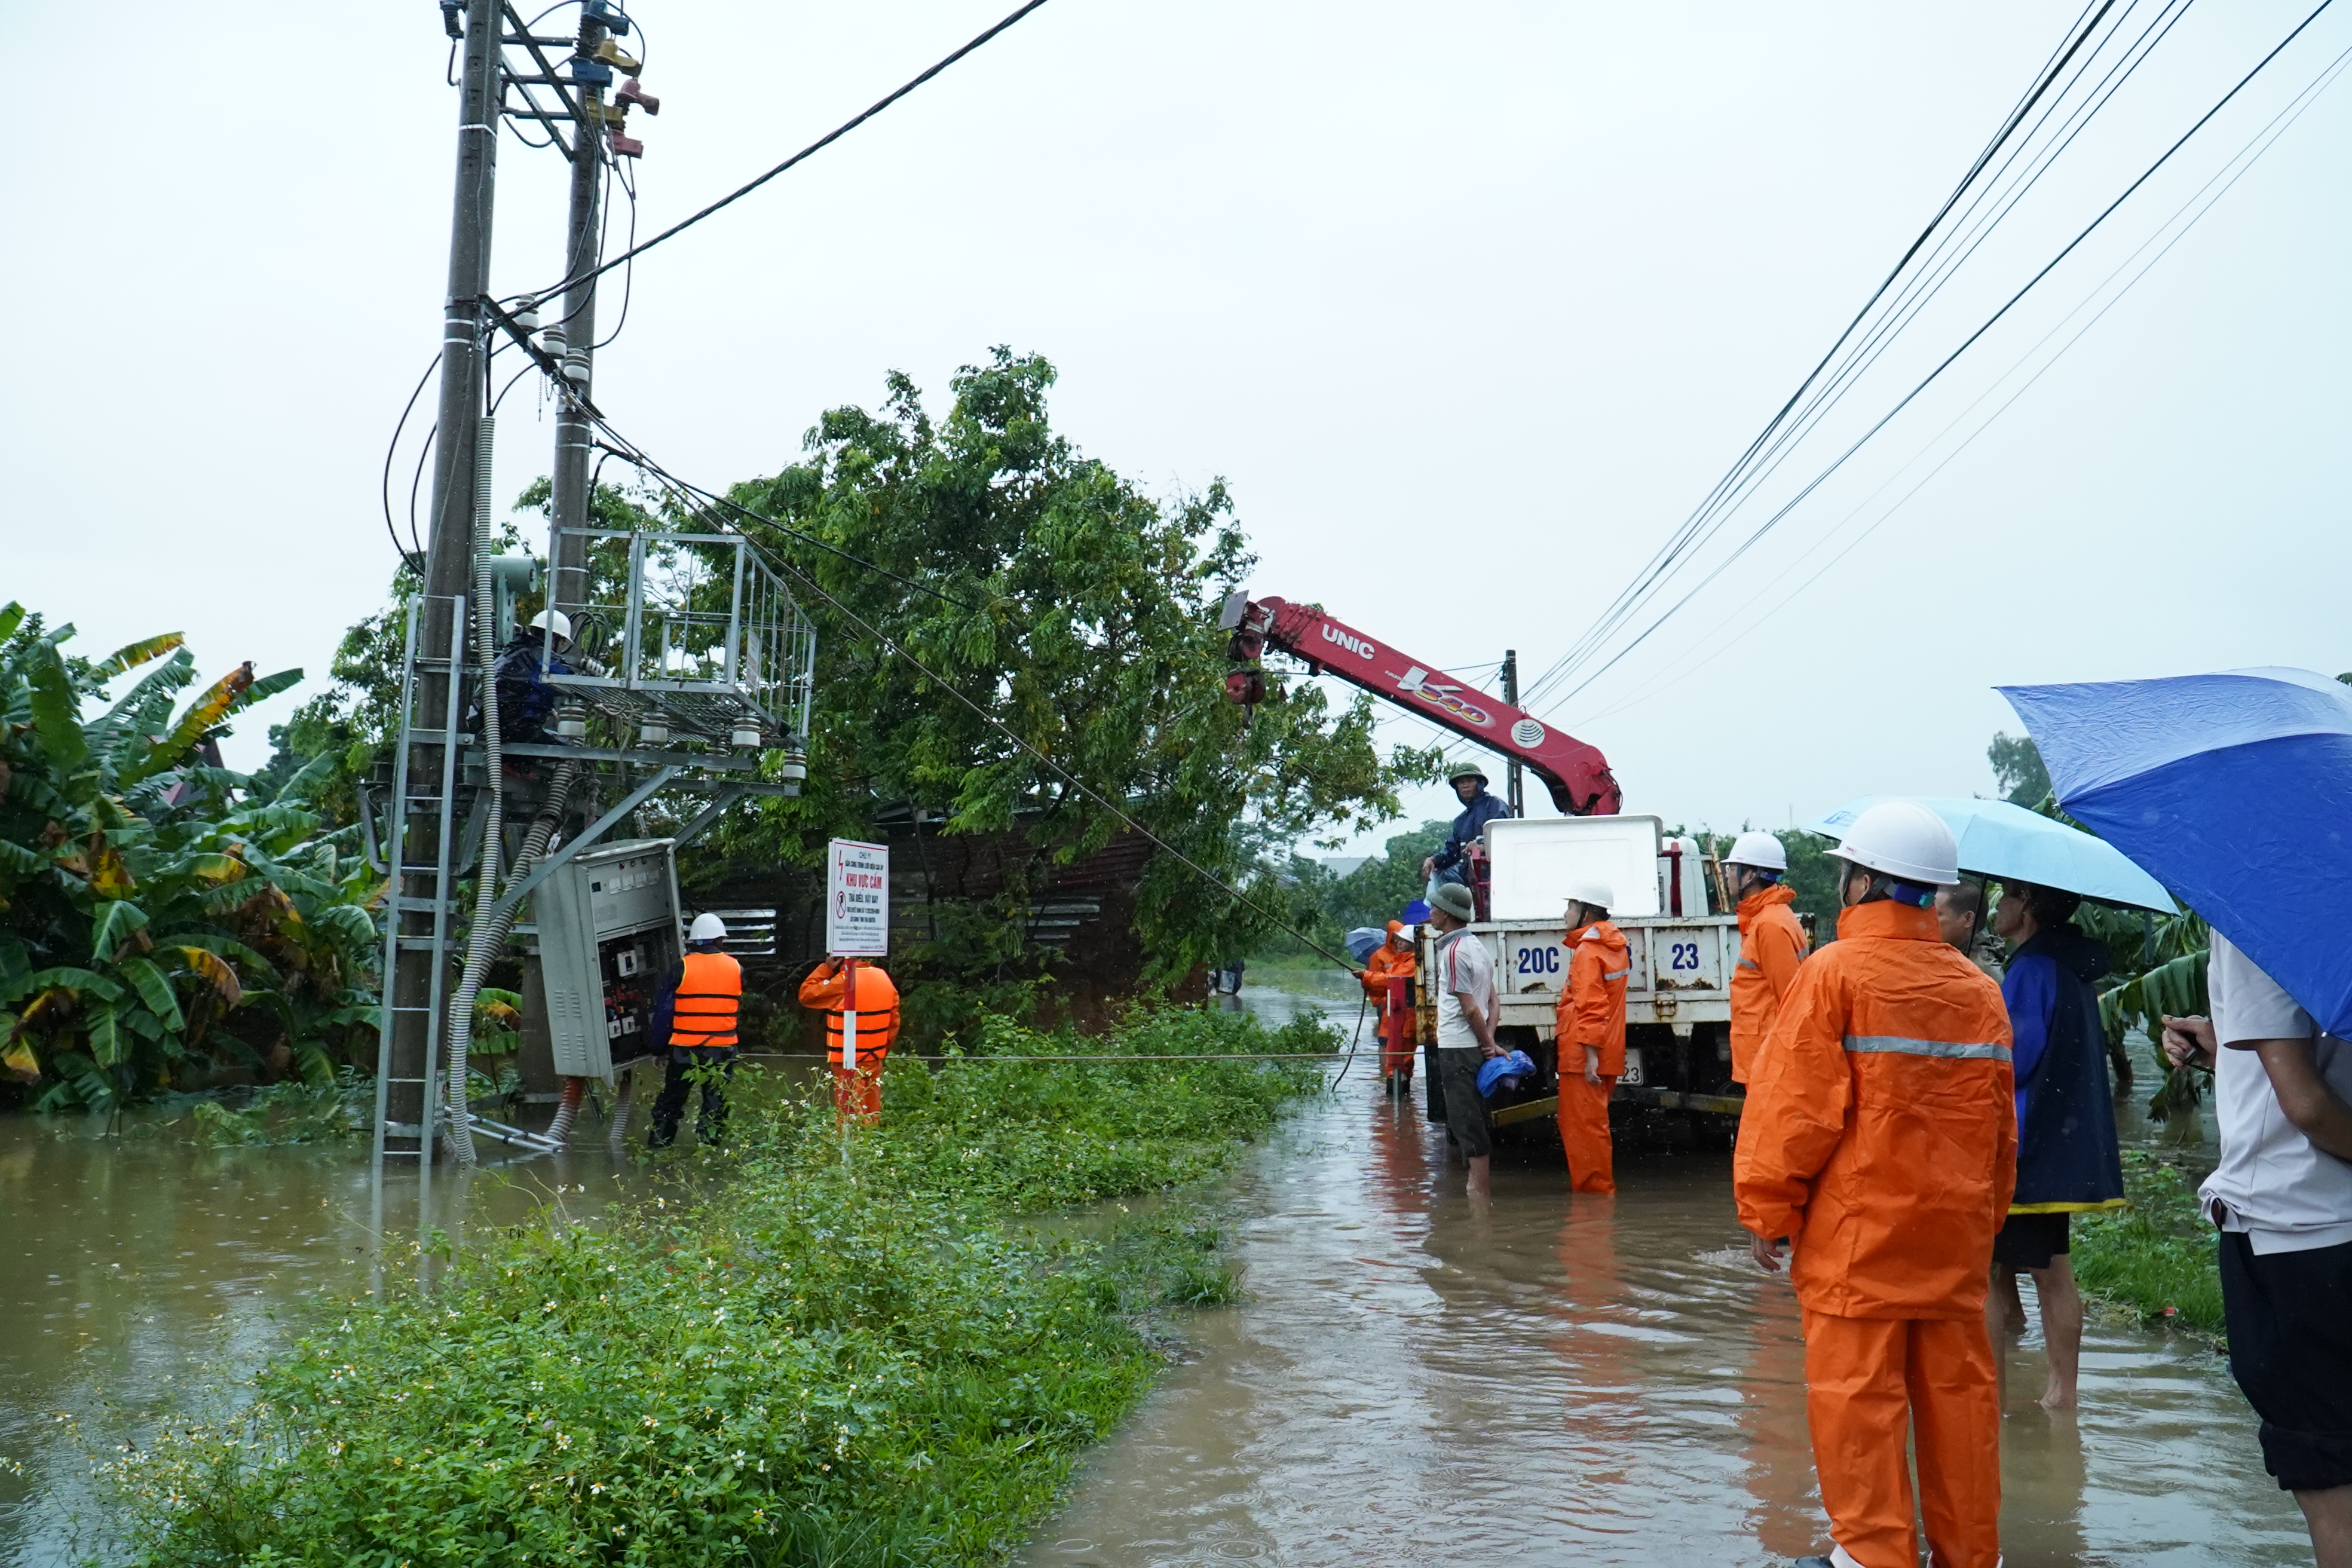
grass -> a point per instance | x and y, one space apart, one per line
871 1362
2156 1259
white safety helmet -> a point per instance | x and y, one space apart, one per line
1760 849
554 621
1593 892
1903 838
707 927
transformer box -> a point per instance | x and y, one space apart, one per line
608 931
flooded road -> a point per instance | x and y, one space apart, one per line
1416 1379
146 1274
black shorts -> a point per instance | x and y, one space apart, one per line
2031 1241
2290 1320
1465 1112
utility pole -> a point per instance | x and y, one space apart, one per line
448 556
568 501
1512 789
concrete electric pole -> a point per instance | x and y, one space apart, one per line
448 556
568 503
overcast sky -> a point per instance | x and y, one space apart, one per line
1470 304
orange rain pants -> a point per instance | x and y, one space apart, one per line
1591 1014
855 1093
1771 945
1864 1379
1880 1137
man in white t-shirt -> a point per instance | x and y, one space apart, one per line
1462 978
2282 1197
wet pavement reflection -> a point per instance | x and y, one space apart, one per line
1417 1378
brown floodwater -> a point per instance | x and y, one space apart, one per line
1411 1379
1416 1378
144 1274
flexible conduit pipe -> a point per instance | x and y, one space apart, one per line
623 1103
575 1090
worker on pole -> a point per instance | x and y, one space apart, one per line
1880 1138
695 1014
844 989
1771 943
1589 1033
1387 980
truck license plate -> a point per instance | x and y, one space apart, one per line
1633 1077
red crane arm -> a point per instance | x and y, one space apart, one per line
1577 774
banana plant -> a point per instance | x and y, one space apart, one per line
150 914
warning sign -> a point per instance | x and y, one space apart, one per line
857 899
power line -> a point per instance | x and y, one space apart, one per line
819 145
1687 533
1948 360
2245 160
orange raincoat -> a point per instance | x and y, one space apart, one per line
1881 1136
1590 1013
855 1093
1391 1002
1771 945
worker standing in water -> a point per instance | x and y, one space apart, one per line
1588 1032
856 1089
695 1014
1771 943
1880 1137
1387 980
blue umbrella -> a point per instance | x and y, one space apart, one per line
2009 843
1363 940
2236 790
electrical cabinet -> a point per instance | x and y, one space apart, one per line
608 932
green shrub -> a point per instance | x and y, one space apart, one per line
864 1360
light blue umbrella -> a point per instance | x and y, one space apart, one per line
2008 843
2236 789
1363 940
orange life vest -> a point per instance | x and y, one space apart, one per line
709 995
877 1009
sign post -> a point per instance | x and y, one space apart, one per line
856 922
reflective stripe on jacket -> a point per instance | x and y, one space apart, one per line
1771 945
1880 1133
877 1008
709 997
1590 1010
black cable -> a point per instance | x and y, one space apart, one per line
394 446
1948 360
628 273
1679 543
819 145
416 482
528 365
1936 270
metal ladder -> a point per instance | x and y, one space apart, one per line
435 814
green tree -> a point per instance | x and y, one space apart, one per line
145 897
1082 613
2017 765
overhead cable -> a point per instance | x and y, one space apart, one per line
819 145
1948 360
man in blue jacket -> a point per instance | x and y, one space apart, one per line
2067 1158
1478 809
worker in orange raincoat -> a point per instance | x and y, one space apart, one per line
1771 943
1387 979
857 1091
1880 1137
1589 1034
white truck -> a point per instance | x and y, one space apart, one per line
1677 998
